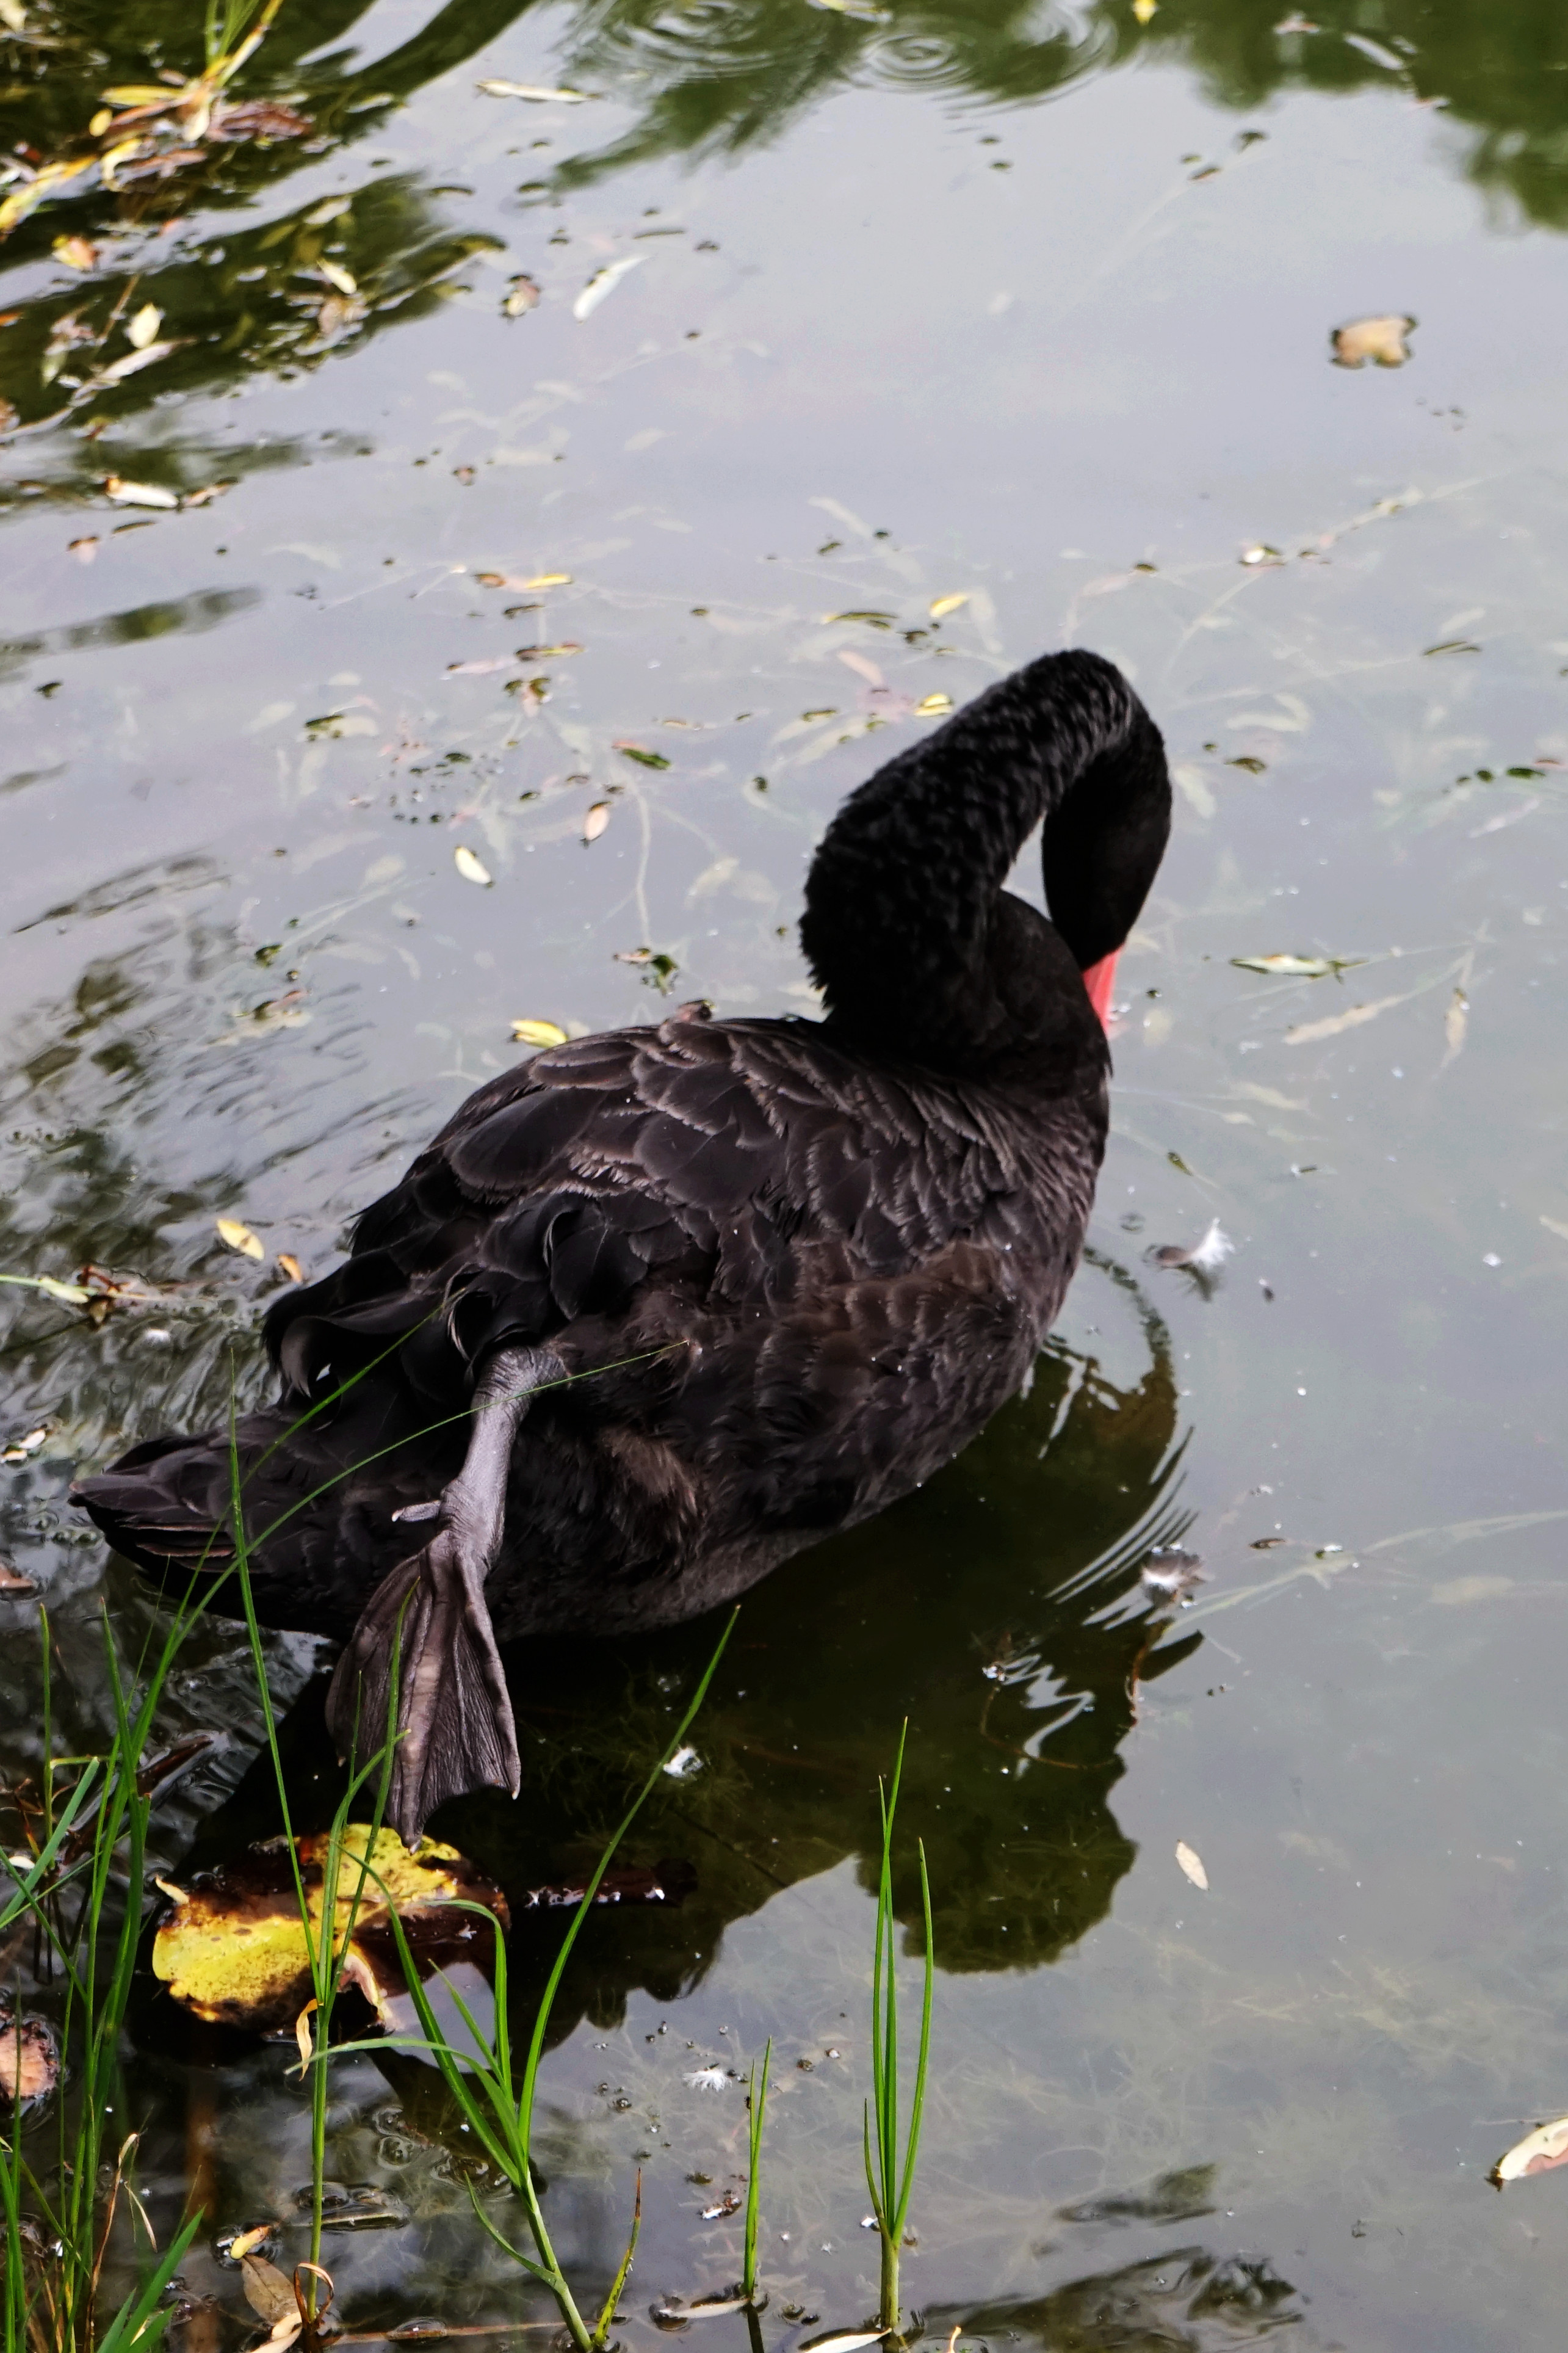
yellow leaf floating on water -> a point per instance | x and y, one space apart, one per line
538 1033
932 706
1382 340
1144 9
75 252
144 326
1540 2151
237 1237
1192 1862
291 1266
471 869
235 1950
597 818
941 607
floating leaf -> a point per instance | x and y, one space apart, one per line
84 550
1144 9
335 724
291 1266
13 1586
1261 554
843 2340
1192 1862
597 818
872 618
337 276
21 1449
1250 762
1453 646
137 494
552 653
941 607
1381 340
642 755
471 869
1297 968
30 2059
1456 1021
512 580
237 1237
269 2291
538 1033
1540 2151
142 327
932 706
541 95
521 297
604 282
235 1951
75 252
1307 1033
479 669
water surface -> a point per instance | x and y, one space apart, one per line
1032 308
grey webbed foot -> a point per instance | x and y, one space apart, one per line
454 1722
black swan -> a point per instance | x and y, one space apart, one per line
659 1307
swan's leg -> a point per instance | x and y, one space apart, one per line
455 1728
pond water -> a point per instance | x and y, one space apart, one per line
1024 307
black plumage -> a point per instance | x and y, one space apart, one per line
709 1289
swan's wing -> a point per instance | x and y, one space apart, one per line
717 1157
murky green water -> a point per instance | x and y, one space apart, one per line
1008 305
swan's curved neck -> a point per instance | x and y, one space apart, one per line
907 927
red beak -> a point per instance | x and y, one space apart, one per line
1100 980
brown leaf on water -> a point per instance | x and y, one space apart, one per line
597 818
1456 1021
75 252
84 550
291 1266
1540 2151
260 118
1192 1862
1307 1033
29 2059
269 2291
13 1586
522 296
208 491
1380 340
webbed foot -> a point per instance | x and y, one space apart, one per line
453 1717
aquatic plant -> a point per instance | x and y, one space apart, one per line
890 2172
757 2104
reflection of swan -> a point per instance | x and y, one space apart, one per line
803 1263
